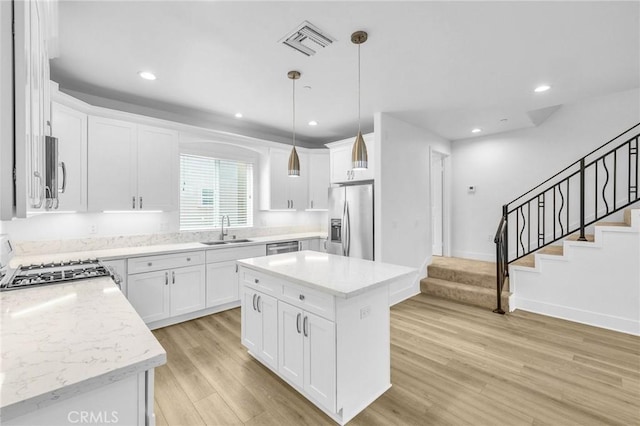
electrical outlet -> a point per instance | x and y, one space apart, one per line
93 229
490 238
365 312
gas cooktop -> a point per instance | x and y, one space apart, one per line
54 273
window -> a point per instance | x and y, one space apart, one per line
211 188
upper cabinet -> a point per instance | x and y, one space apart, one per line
70 127
279 191
340 159
131 167
318 170
32 107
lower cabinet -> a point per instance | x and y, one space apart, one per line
222 284
260 325
161 294
307 353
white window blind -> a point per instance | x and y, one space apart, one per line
211 188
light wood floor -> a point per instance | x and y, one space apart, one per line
451 364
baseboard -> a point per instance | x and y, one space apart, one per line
192 315
596 319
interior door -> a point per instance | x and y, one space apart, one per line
357 226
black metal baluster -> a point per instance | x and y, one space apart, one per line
529 227
568 204
561 207
505 213
615 178
595 192
554 210
606 183
582 237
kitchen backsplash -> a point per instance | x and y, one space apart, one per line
98 243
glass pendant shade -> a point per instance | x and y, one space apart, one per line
359 157
294 163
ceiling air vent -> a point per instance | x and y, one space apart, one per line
307 39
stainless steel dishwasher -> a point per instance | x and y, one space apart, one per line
284 247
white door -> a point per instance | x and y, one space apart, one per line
149 294
112 152
320 360
251 321
291 342
70 127
437 202
268 309
222 283
158 182
187 289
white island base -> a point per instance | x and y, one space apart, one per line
321 323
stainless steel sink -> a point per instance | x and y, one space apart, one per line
216 243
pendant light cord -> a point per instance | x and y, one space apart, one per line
294 112
359 102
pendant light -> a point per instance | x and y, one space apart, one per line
359 157
294 161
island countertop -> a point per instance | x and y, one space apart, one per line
338 275
65 339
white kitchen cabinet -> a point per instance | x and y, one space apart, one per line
307 356
319 181
340 160
222 283
260 325
70 127
315 244
32 31
131 167
164 286
149 294
279 191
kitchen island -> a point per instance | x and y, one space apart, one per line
321 323
75 353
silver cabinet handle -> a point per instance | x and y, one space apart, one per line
291 203
311 203
298 317
133 202
258 303
41 190
254 301
299 245
325 244
236 268
149 264
256 280
188 259
140 202
64 177
305 326
173 277
166 278
302 297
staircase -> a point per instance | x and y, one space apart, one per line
472 282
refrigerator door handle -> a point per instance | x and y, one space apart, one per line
343 231
347 231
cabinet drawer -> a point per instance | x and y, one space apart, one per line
235 253
261 282
168 261
319 303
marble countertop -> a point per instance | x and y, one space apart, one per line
119 253
62 340
337 275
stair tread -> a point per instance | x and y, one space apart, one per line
470 265
467 287
612 224
463 293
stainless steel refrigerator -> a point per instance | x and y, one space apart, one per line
351 221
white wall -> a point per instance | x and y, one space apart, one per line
402 193
503 166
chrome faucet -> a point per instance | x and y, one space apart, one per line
222 233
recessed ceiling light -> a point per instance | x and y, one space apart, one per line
542 88
147 75
476 130
313 123
238 115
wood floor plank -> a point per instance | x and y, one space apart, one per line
451 364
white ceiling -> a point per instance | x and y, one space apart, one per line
445 66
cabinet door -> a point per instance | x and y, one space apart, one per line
112 165
187 289
251 321
149 294
340 159
318 181
320 360
157 169
70 127
268 309
280 197
291 344
222 283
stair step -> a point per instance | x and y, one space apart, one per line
611 224
464 293
627 216
464 271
